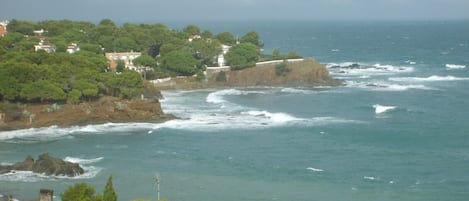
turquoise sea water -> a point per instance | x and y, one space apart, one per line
398 129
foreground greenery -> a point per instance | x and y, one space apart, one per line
85 192
29 76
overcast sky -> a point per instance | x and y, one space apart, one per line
203 10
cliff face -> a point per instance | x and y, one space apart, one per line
107 109
302 73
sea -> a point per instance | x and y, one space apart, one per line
398 129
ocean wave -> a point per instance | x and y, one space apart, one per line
428 79
383 86
29 176
250 119
379 109
55 132
361 69
82 161
315 169
275 117
218 96
370 178
455 66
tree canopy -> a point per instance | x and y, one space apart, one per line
29 76
242 56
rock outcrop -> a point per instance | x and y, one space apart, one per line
45 164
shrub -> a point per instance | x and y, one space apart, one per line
282 68
221 77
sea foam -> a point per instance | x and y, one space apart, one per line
315 169
379 109
432 78
455 66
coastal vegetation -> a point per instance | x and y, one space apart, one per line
35 76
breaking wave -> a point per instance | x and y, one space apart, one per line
383 86
55 132
455 66
360 69
379 109
428 79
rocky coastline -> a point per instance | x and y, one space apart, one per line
302 73
306 73
105 110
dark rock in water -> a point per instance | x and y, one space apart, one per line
45 164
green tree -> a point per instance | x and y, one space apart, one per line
109 194
120 66
180 63
226 38
253 38
43 90
242 56
192 29
276 55
144 60
79 192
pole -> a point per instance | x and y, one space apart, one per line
157 180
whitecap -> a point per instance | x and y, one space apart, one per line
382 86
369 178
455 66
82 161
315 169
379 109
218 96
55 132
428 79
275 117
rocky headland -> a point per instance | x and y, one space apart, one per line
300 73
45 164
105 110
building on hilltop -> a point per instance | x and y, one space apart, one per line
3 28
72 48
221 57
126 57
42 45
194 37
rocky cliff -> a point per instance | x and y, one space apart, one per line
104 110
45 164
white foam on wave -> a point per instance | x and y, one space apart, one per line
29 176
383 86
455 66
251 119
370 178
360 69
218 96
379 109
82 161
428 79
315 169
55 132
275 117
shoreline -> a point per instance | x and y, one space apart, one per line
306 73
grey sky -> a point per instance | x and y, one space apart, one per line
202 10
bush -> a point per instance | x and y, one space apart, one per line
221 77
282 69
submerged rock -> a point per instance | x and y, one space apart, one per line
45 164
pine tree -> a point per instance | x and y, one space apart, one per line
109 193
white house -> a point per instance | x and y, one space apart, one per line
127 57
49 48
72 48
221 57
